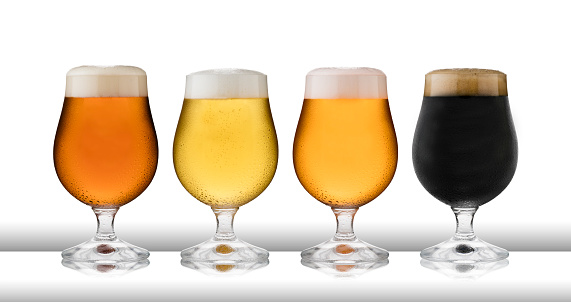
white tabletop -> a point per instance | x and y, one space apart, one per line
529 276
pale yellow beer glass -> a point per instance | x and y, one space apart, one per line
345 153
225 154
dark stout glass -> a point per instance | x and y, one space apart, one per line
465 153
465 148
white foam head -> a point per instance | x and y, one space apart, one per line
465 82
226 84
106 81
346 83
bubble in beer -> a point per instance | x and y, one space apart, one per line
465 82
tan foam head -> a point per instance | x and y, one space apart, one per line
226 84
346 83
465 82
106 81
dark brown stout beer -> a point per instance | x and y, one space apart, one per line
465 146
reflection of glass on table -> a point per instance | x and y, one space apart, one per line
464 270
224 268
107 269
344 270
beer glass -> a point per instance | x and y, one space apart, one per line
345 153
465 153
105 152
225 154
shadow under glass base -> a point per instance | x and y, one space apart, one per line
225 252
344 252
105 251
471 250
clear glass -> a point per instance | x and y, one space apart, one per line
345 154
105 247
224 247
464 247
105 153
344 247
225 154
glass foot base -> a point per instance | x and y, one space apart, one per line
114 269
225 252
224 268
464 251
344 252
105 251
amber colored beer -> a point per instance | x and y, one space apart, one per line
345 150
106 150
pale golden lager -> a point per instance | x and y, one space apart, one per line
225 154
225 150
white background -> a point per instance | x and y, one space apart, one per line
41 40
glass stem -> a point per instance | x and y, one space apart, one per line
344 224
224 223
464 221
105 219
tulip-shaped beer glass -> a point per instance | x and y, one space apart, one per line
105 152
345 153
225 154
465 153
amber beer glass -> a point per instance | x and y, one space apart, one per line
105 152
345 153
225 154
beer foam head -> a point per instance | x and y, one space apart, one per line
465 82
226 84
106 81
346 83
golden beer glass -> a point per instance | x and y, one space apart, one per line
105 152
225 154
345 153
